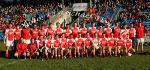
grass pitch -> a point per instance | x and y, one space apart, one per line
135 62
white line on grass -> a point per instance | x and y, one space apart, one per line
10 63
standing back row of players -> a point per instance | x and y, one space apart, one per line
26 33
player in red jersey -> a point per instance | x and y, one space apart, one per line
26 34
67 31
128 46
108 31
75 30
32 48
119 45
87 44
95 43
57 45
59 30
132 35
50 31
21 49
48 46
35 33
124 31
17 34
103 45
83 31
111 44
79 45
92 30
116 31
52 46
42 32
140 37
100 32
9 39
70 45
63 45
40 46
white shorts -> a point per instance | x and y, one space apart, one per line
27 41
47 48
9 43
140 40
96 47
79 48
55 47
63 48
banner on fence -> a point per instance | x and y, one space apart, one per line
80 6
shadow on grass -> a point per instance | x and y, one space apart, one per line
2 55
144 53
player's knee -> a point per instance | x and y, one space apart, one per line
37 53
28 54
24 54
16 54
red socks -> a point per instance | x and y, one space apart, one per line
6 55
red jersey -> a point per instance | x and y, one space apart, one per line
17 34
63 42
10 34
140 32
23 47
120 42
95 42
87 42
57 43
41 43
18 48
124 33
111 42
59 31
128 43
92 31
75 32
35 33
116 32
103 42
83 32
71 42
43 32
132 32
100 33
50 31
79 42
48 43
32 47
67 33
108 32
26 33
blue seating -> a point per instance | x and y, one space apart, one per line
1 36
88 25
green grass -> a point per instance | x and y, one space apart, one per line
135 62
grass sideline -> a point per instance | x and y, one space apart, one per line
135 62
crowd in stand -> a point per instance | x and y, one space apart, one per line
28 14
131 12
